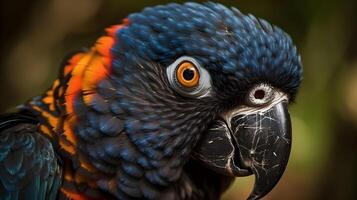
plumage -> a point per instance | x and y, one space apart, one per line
29 166
112 126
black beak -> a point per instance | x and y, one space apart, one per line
257 142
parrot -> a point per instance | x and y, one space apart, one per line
174 102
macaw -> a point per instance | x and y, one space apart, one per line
173 103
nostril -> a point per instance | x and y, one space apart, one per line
259 94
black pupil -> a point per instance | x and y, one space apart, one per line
188 74
259 94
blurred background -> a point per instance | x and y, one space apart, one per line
36 35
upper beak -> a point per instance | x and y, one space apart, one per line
254 141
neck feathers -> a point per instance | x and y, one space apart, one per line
78 81
57 109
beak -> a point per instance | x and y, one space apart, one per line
249 141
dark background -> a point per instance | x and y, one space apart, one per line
37 34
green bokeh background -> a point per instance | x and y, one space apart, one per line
37 34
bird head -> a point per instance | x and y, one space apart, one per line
187 83
205 82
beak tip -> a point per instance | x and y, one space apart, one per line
253 197
266 145
260 145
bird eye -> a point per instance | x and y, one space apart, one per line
187 74
260 95
188 78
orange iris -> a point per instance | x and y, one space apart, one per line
187 74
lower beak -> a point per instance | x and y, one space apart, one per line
257 142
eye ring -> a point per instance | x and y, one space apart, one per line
194 83
187 74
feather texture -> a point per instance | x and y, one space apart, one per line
29 168
119 126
